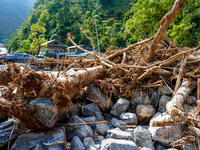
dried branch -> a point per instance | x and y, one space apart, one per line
178 81
164 23
120 52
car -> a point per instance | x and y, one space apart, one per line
19 57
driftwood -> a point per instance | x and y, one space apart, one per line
32 85
175 106
164 23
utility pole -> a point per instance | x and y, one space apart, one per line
97 34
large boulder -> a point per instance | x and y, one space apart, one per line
47 111
42 140
165 133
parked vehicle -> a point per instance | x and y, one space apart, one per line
19 57
72 54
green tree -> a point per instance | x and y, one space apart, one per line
25 46
37 37
143 21
110 21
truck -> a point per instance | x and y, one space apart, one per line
19 57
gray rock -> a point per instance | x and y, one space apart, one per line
108 117
142 137
75 109
187 107
144 148
140 98
162 109
77 144
47 111
6 127
88 141
168 133
81 131
119 134
117 144
159 146
39 140
164 90
154 99
90 119
163 100
102 128
99 138
118 123
191 100
95 147
120 106
104 102
129 118
33 67
92 109
145 113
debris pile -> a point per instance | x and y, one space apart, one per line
113 93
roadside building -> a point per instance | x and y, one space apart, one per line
52 48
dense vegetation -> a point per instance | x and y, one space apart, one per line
12 15
119 23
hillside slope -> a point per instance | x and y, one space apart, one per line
13 13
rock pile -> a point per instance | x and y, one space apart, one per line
126 128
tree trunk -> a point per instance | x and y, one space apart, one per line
174 107
61 90
164 23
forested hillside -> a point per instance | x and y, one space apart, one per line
12 14
119 23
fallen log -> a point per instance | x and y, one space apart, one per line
32 85
174 107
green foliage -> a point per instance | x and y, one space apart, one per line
142 21
110 21
25 46
117 23
37 38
